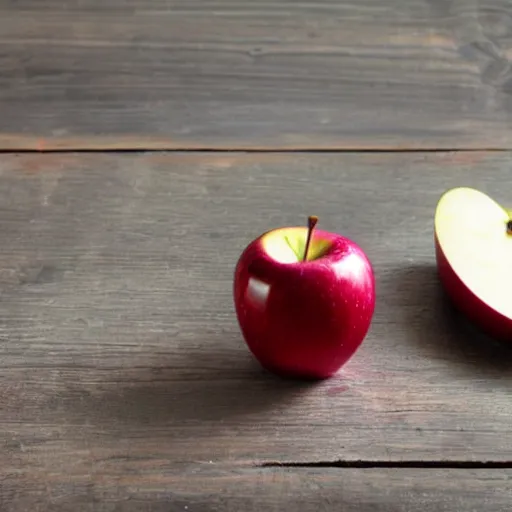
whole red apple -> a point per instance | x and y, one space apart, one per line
304 300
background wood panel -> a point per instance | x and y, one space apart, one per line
234 74
118 336
208 489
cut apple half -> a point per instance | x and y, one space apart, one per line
474 248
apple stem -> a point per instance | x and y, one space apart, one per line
312 220
509 227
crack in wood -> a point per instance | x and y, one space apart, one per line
406 464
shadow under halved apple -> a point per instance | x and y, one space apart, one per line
433 322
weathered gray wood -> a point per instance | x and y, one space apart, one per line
151 485
118 335
231 73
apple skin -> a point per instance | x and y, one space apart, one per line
314 315
477 312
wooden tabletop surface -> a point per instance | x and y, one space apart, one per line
143 145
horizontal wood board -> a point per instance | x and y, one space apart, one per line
151 486
118 335
227 74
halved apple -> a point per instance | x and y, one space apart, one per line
473 240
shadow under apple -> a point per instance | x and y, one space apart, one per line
432 322
205 386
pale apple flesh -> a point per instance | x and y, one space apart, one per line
303 318
474 255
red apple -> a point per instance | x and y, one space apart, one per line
304 300
473 245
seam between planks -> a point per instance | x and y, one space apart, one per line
252 150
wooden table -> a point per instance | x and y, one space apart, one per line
144 144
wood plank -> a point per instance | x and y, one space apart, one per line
167 74
157 488
118 336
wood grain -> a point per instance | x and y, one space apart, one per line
167 74
157 489
118 335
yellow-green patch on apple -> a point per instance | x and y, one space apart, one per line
288 245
